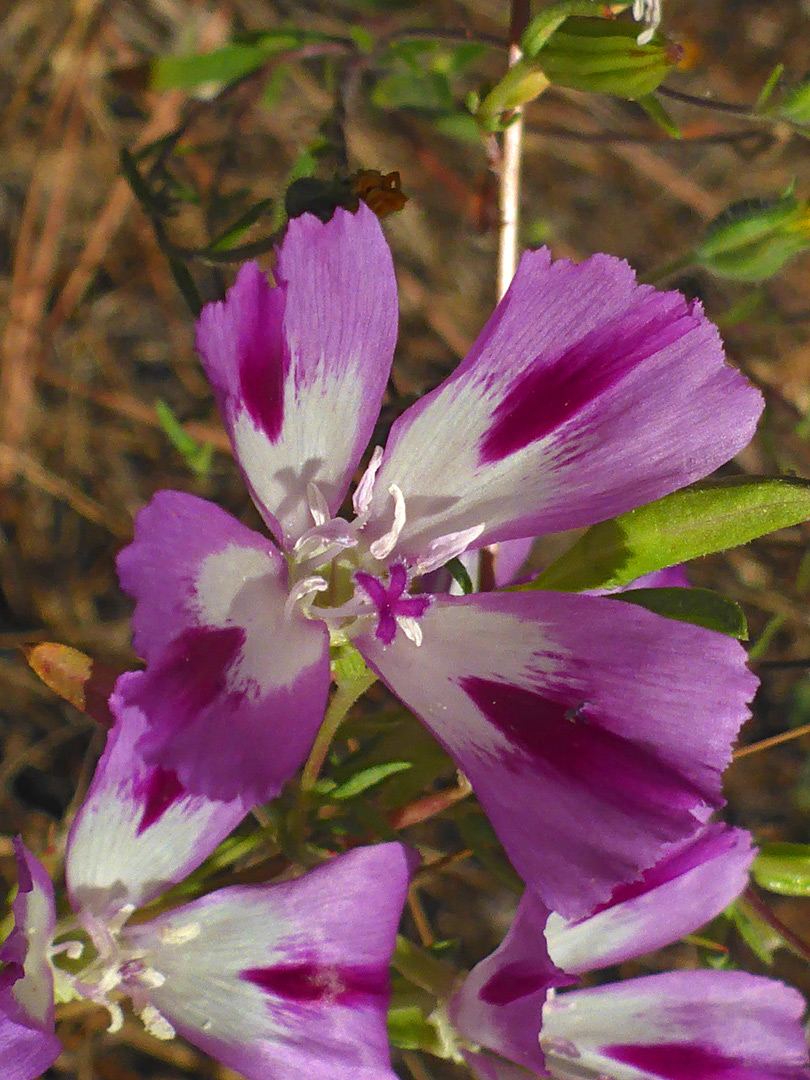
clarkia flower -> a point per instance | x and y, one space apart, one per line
593 733
681 1025
288 979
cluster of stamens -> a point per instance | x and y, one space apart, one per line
117 970
349 582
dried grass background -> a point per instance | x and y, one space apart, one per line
93 331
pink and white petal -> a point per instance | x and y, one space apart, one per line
28 1044
680 893
684 1025
570 408
593 733
510 557
487 1067
29 976
235 685
287 981
299 369
26 1051
138 830
671 577
500 1004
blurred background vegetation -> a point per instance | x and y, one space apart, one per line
221 105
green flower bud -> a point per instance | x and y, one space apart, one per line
795 107
523 82
603 56
752 240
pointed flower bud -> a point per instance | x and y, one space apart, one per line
752 240
603 56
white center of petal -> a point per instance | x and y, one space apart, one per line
117 970
355 583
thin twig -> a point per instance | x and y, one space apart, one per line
774 740
509 176
796 944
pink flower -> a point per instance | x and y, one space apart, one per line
593 733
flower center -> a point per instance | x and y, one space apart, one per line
117 970
339 576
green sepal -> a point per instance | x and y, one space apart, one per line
702 607
710 516
544 24
602 56
783 868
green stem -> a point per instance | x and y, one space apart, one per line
666 270
352 682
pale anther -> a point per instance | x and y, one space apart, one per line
410 628
383 547
179 935
302 589
318 506
361 500
156 1024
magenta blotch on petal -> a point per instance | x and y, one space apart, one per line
675 897
570 408
299 368
235 687
594 734
138 830
310 982
287 980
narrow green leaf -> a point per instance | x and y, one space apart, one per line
713 515
231 61
222 65
656 111
769 87
196 455
422 969
783 868
140 189
369 778
458 572
237 230
703 607
187 286
757 934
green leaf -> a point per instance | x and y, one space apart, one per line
222 66
458 572
757 934
186 284
769 87
197 456
368 778
656 111
422 969
230 62
783 868
234 233
703 607
427 92
713 515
